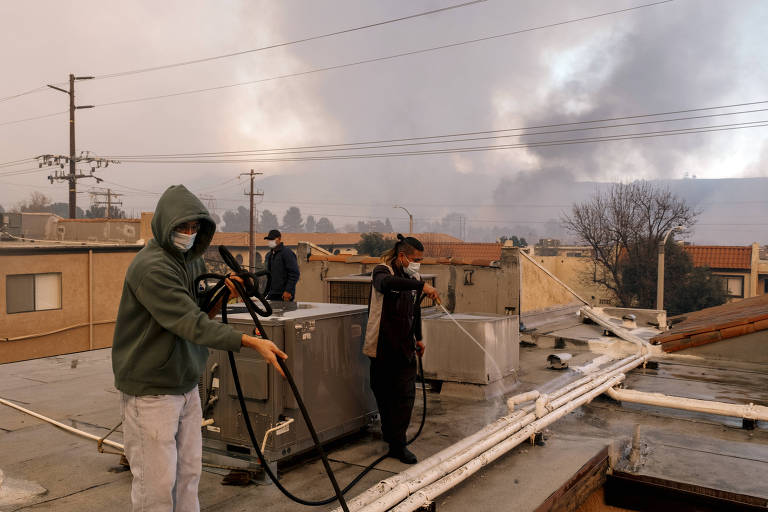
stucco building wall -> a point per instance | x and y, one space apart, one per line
91 285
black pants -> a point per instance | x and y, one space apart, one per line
394 386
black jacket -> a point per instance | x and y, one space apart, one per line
281 263
400 325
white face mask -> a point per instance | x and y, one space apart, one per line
412 268
271 244
183 241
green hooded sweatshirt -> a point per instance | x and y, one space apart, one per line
161 335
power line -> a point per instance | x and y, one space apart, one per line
288 43
384 58
44 116
470 149
25 93
13 163
336 147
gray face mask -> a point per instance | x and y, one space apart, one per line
183 241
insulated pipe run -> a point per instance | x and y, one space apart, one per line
430 492
749 411
522 398
385 486
384 496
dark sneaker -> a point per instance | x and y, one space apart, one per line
403 454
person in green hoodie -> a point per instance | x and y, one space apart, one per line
159 352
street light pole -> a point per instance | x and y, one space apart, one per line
410 218
660 273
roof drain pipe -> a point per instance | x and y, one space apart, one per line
392 491
749 411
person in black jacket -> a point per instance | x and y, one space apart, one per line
281 263
393 337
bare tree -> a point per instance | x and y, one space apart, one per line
37 202
624 225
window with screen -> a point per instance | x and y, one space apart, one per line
32 292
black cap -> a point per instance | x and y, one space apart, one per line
272 235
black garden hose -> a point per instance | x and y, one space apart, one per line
248 291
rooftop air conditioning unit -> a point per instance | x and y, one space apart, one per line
324 346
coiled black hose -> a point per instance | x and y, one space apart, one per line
249 290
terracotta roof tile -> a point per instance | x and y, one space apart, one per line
466 250
240 239
715 324
720 256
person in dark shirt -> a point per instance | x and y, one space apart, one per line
281 263
393 338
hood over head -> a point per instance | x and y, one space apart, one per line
178 205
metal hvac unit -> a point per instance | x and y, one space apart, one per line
10 223
324 344
452 356
356 289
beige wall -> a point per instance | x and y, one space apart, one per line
577 274
108 269
463 288
102 230
542 288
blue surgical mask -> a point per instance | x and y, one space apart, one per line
183 241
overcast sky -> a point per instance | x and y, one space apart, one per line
679 55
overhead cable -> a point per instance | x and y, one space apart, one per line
288 43
469 149
25 93
421 142
378 59
5 123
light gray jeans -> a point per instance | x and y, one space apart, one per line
163 444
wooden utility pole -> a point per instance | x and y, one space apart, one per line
251 241
73 176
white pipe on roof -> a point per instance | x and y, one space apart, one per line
430 492
62 426
749 411
392 491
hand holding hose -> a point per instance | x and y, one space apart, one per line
266 349
431 292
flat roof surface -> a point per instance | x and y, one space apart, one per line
710 451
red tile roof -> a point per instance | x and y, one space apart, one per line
323 239
720 256
486 251
351 258
715 324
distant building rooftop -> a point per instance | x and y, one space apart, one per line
240 239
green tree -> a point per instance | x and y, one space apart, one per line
310 225
292 221
100 212
516 242
373 244
686 288
325 226
236 221
268 221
